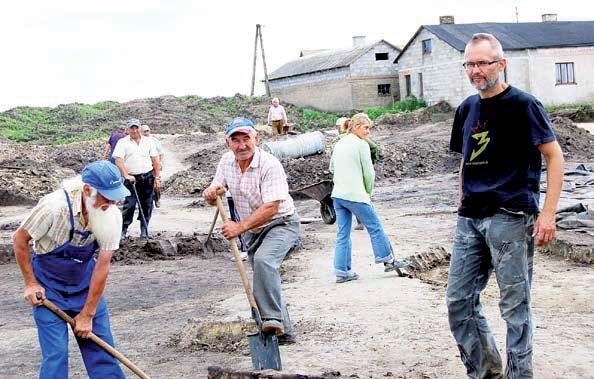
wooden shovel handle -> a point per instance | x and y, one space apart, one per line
238 261
93 337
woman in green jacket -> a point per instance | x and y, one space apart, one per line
354 178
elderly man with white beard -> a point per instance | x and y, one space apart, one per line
74 231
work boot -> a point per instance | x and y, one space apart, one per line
359 226
286 339
144 232
397 266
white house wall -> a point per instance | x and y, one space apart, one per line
543 78
345 88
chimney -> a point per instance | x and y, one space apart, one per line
549 17
446 20
358 41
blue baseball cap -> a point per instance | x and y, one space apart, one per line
239 124
133 122
106 178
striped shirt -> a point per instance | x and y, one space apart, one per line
49 222
263 182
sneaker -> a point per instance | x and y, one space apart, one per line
273 326
286 339
242 254
397 266
347 278
359 227
391 266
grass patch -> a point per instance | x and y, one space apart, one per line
63 124
552 108
409 104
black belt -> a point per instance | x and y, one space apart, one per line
144 176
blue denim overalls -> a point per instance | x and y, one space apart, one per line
65 273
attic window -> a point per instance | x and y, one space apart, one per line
381 56
427 48
383 89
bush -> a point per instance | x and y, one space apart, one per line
409 104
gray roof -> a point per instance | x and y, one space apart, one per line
324 60
516 36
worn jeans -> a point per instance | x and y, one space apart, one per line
144 187
380 243
267 250
502 242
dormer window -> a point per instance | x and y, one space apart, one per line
381 56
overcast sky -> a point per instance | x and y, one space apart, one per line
63 51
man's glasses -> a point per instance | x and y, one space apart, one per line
479 64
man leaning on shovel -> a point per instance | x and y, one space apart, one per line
74 231
258 185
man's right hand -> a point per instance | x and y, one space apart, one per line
210 195
31 294
130 178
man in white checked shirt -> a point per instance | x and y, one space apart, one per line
258 184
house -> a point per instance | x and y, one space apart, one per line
553 60
336 80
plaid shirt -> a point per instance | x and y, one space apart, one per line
263 182
49 222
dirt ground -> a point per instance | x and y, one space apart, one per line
378 326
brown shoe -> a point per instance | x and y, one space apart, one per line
273 326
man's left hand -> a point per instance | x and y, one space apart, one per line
84 325
231 229
545 228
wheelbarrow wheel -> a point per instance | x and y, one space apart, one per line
327 211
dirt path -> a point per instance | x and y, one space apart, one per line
379 326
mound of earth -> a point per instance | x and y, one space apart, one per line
576 143
221 337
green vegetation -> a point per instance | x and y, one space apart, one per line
311 119
552 108
409 104
53 125
188 98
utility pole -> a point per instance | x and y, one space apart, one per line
259 37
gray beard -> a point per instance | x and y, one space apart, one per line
486 86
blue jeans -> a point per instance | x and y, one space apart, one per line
502 242
53 339
345 209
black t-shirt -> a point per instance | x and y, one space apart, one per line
498 139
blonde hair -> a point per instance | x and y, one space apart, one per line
357 120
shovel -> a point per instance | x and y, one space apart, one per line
93 337
142 218
207 246
263 346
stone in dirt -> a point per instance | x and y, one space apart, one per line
216 372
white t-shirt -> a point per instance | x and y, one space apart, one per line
136 156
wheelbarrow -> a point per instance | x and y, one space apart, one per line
321 192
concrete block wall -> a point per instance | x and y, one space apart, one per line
364 92
543 76
443 75
328 75
329 95
367 65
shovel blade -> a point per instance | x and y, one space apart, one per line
265 351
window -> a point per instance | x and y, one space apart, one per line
420 84
383 89
564 73
427 46
407 85
381 56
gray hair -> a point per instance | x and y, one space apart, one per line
479 37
